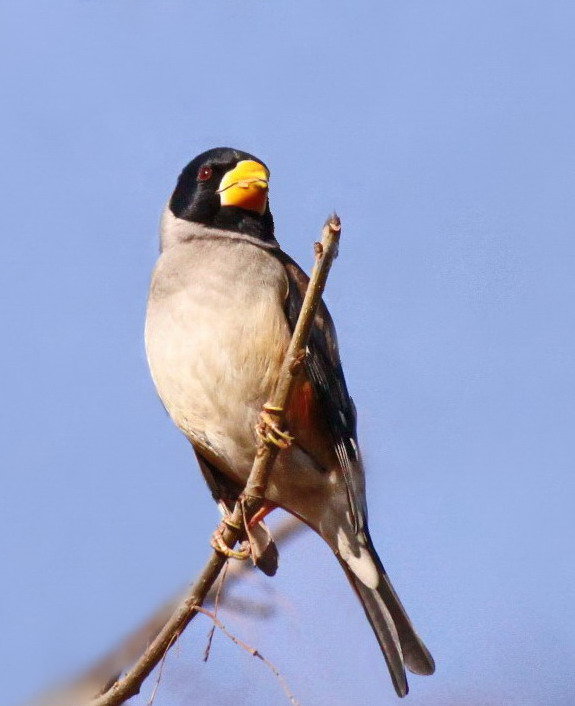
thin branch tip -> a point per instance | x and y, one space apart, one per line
334 222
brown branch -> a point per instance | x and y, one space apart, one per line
325 252
251 499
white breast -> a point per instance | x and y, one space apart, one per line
215 337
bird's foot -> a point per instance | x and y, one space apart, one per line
218 544
268 428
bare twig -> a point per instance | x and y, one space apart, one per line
251 650
252 497
160 672
101 675
216 606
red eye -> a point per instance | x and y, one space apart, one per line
205 173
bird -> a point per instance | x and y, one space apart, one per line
224 299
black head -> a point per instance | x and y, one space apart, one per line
225 188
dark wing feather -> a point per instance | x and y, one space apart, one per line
224 491
323 369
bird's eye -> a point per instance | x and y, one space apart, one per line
205 173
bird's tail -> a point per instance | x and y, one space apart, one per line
400 644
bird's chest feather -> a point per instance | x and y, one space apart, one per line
215 337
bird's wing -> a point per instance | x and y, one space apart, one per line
321 414
224 491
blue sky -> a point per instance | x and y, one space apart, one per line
442 132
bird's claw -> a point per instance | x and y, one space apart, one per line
268 428
218 544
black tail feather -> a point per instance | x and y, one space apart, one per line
384 629
397 638
415 654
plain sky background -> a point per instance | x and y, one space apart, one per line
443 134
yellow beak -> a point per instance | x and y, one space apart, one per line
245 186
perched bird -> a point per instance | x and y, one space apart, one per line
223 302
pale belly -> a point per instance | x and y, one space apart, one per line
216 335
